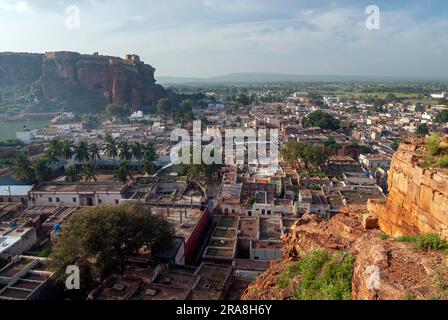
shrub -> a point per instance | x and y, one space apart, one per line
433 143
384 237
409 296
430 241
322 277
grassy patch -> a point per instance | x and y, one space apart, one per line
426 241
437 154
409 296
322 277
384 236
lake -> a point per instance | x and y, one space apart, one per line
7 180
8 129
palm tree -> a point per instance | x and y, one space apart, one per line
55 146
52 157
82 152
137 150
149 152
71 175
111 148
42 170
94 151
89 172
123 172
67 150
148 167
125 151
54 152
22 168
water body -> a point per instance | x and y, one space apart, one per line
8 129
7 180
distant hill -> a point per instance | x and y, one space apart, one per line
280 77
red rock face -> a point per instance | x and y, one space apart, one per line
83 82
418 198
114 79
19 68
382 270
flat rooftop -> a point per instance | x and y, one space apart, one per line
184 219
79 187
269 245
361 195
248 228
270 229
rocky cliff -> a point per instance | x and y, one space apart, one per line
383 269
80 82
19 68
418 198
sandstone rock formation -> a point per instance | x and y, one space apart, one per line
384 269
19 68
82 81
418 198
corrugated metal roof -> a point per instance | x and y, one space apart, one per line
5 191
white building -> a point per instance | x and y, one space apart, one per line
77 194
442 95
14 193
16 241
375 161
136 116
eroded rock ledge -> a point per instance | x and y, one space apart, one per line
404 272
418 198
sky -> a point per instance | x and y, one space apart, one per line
204 38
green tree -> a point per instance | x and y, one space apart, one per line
163 107
67 149
243 100
124 150
422 130
123 172
149 152
71 174
137 150
148 167
100 241
313 155
88 171
111 147
441 117
22 168
396 144
82 153
420 107
53 153
186 111
42 170
94 152
322 120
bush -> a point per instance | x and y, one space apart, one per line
322 120
433 144
322 277
430 241
384 237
